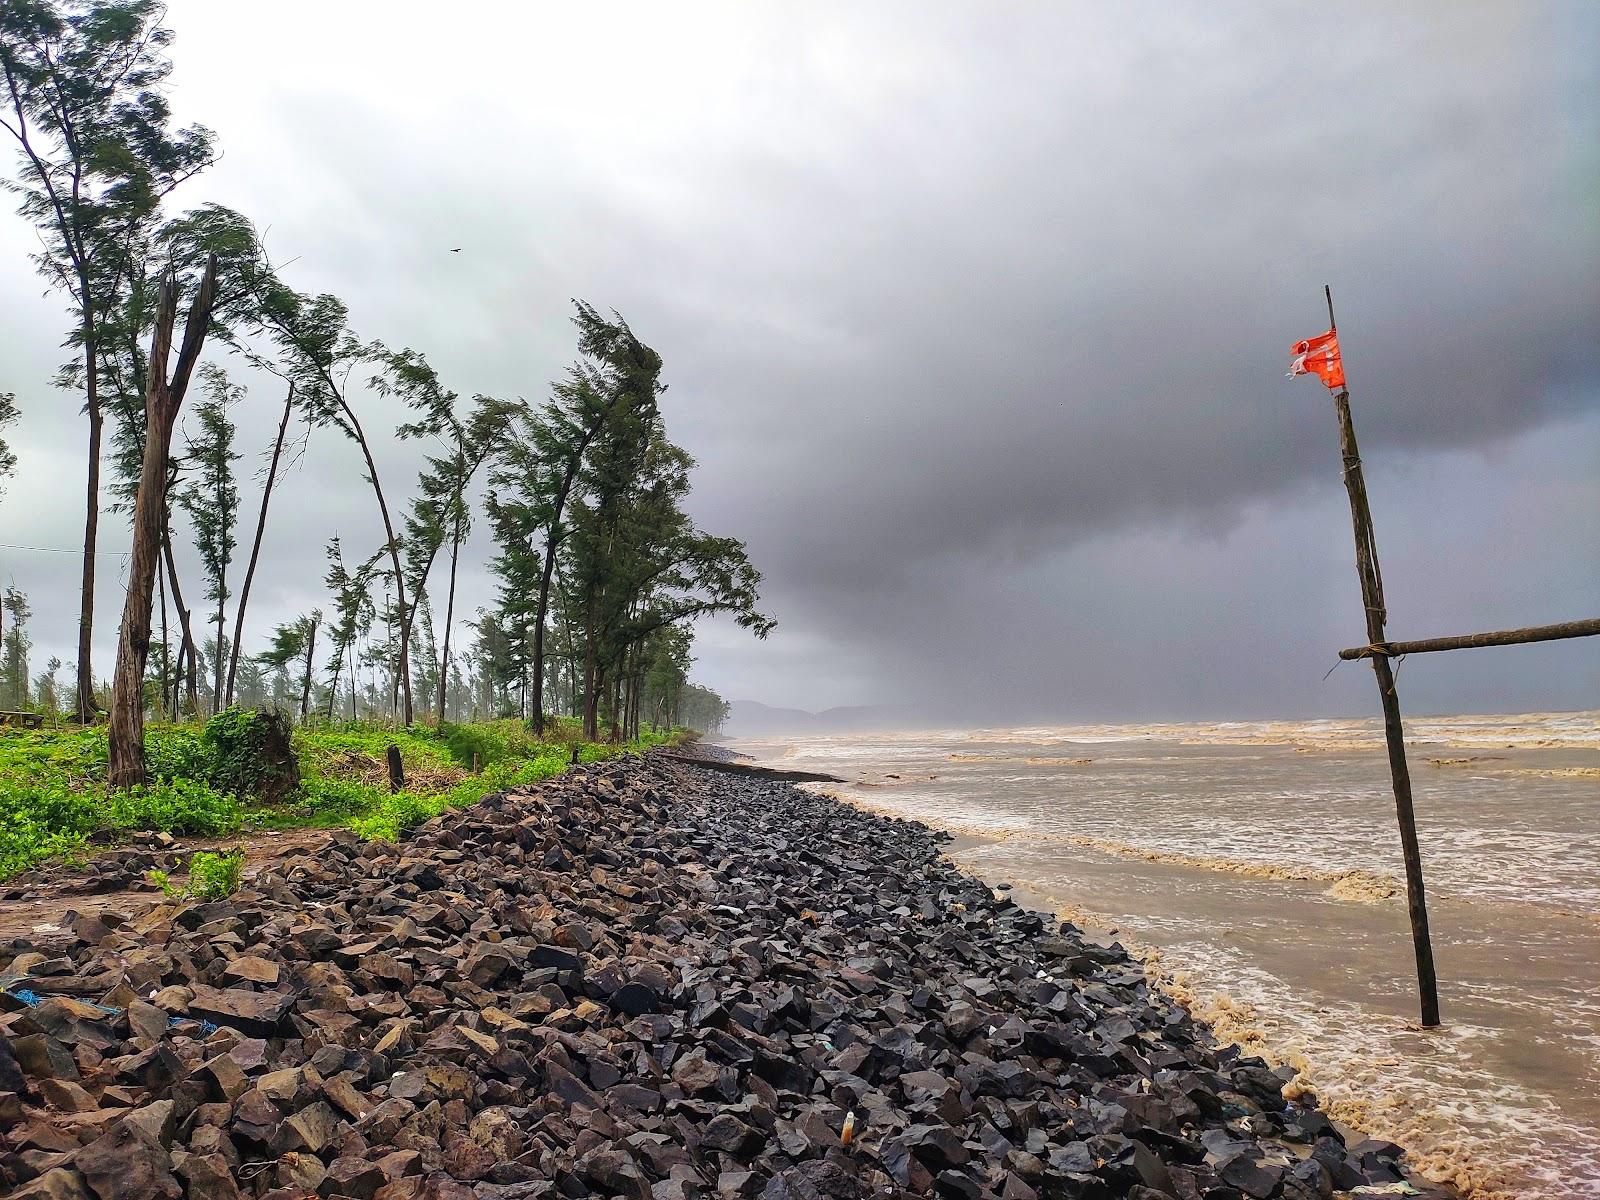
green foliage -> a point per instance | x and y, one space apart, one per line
215 876
15 683
211 876
53 797
174 806
242 748
8 456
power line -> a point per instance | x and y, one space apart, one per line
64 550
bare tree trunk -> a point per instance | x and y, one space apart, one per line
255 547
305 687
449 616
163 399
185 672
394 559
216 659
333 689
91 533
591 681
538 629
166 646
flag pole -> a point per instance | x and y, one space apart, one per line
1393 731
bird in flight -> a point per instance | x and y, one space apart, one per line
457 250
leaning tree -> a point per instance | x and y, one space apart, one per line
96 157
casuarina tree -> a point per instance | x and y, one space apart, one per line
211 498
320 354
295 642
8 456
164 399
83 104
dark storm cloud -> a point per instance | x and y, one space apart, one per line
976 316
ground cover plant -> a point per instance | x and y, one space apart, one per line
55 803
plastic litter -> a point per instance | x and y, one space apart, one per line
33 999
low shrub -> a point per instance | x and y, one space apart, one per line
215 876
211 876
174 806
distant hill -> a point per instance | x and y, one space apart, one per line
751 718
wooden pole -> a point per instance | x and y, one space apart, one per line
1470 641
1393 731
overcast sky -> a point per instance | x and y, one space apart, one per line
976 317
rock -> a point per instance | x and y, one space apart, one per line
310 1129
127 1164
56 1184
66 1096
209 1177
694 1074
642 981
635 999
249 968
814 1179
255 1013
352 1177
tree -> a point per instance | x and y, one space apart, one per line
296 642
83 104
211 498
14 646
163 400
319 355
267 484
517 567
8 457
353 612
540 464
46 690
440 511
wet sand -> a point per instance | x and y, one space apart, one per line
1259 876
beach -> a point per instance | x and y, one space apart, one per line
1256 866
644 979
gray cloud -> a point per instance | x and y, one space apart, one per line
976 317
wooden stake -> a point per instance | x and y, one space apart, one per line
1393 731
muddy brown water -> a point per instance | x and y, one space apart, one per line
1256 865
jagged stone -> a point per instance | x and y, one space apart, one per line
641 981
127 1164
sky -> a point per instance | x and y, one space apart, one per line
974 316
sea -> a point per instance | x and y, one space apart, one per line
1255 866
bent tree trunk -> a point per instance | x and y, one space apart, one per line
255 552
449 616
305 687
404 652
163 399
185 683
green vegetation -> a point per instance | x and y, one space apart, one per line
54 801
211 876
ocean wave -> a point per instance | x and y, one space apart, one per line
1377 1073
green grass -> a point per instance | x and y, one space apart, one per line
54 801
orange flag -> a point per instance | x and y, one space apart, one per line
1319 356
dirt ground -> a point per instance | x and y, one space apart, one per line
44 911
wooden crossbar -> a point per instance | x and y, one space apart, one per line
1468 641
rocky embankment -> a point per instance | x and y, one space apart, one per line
642 980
